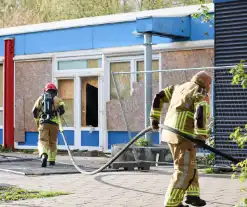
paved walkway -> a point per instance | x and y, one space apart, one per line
132 189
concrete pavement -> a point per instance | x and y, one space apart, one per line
119 189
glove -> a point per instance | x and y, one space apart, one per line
155 124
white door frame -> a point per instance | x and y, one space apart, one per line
76 75
100 76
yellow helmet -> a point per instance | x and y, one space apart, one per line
203 79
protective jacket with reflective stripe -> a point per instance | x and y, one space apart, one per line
188 110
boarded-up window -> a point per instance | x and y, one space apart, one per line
79 64
123 80
140 67
66 92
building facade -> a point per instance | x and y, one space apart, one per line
79 56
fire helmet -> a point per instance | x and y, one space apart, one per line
202 78
50 86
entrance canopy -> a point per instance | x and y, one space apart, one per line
172 27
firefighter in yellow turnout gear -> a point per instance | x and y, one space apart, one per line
188 112
45 112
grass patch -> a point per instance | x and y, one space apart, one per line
14 194
6 150
208 170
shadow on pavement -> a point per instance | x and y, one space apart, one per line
99 178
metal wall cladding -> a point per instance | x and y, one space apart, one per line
230 101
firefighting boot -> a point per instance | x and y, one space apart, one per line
44 158
52 163
195 201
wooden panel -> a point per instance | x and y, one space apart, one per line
66 92
185 59
134 104
30 79
123 80
66 89
140 67
93 63
20 126
68 117
84 81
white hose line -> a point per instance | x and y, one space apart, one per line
83 171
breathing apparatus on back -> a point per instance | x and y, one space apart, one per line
48 105
50 92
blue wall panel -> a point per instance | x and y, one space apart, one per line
1 46
31 138
69 136
122 137
90 139
59 40
1 136
92 37
115 35
19 44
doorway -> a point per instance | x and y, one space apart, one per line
89 101
91 105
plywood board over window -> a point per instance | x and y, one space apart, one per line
123 80
140 67
92 81
182 60
198 58
30 80
66 92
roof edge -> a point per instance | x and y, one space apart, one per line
99 20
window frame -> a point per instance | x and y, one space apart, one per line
77 74
155 57
74 71
133 68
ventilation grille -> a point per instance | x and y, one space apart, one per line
230 101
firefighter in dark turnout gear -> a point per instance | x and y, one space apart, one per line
188 112
45 112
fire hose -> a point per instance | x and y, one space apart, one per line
200 143
83 170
